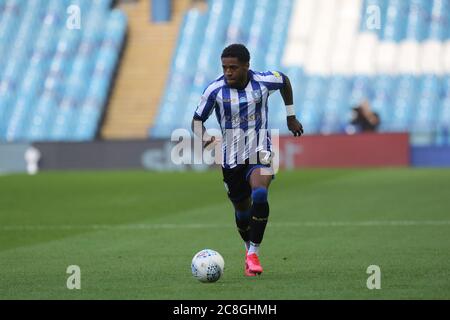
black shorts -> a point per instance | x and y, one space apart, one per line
237 180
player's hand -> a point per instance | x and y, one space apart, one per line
209 142
294 126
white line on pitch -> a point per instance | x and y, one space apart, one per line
394 223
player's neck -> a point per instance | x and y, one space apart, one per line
243 84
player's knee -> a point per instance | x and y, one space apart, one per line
259 195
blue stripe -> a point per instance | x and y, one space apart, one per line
219 119
227 112
227 107
266 110
210 103
268 73
212 82
243 109
273 85
255 87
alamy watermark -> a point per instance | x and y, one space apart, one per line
73 21
373 17
231 146
74 280
374 280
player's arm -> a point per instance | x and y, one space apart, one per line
286 93
199 130
204 109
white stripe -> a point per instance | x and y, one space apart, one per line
219 102
251 106
268 78
265 96
213 86
234 97
381 223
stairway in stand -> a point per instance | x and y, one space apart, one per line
143 71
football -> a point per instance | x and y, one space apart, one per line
207 265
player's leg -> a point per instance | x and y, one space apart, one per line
242 218
239 193
242 214
259 181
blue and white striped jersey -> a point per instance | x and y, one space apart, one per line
242 114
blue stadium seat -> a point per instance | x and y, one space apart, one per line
418 20
338 104
259 39
51 67
9 24
404 105
368 22
361 89
89 116
63 124
42 117
101 5
17 124
182 73
208 65
440 17
405 100
396 18
279 34
239 28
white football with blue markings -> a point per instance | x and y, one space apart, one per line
207 265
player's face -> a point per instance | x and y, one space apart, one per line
235 72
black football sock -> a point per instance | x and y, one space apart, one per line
259 215
242 224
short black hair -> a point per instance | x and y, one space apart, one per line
238 51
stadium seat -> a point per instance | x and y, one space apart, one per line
279 34
405 84
396 18
418 20
9 23
259 40
360 90
440 15
367 22
51 67
15 127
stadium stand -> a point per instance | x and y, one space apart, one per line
394 53
55 77
55 82
143 70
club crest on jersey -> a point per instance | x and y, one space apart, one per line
257 95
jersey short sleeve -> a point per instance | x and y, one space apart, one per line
273 80
205 107
207 102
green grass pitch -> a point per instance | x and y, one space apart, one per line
133 235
